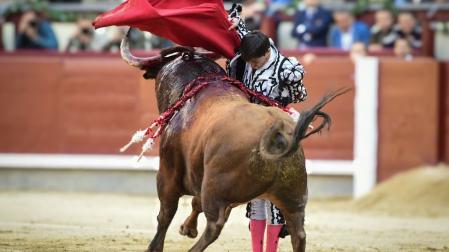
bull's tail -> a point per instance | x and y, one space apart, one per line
276 144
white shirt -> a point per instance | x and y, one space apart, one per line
346 40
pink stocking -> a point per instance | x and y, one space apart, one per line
257 228
273 237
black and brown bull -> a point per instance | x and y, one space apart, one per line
224 150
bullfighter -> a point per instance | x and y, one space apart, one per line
261 67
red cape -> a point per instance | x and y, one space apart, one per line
196 23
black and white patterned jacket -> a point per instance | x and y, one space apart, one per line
281 78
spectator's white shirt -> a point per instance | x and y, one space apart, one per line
346 40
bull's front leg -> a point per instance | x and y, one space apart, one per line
189 228
167 211
169 193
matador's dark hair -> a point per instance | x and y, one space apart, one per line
254 45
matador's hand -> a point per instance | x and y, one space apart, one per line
235 23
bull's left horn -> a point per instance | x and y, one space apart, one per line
128 57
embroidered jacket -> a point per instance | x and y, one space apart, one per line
281 78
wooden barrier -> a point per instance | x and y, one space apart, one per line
322 76
29 104
92 105
68 105
408 115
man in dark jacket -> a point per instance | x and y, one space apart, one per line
382 33
312 25
35 33
408 29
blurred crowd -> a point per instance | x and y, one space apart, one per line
314 26
35 32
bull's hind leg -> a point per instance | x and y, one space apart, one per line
169 194
189 228
216 214
295 226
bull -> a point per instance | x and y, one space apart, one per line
224 150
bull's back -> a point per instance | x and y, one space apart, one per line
236 123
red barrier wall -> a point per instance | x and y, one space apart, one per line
408 115
92 105
29 104
68 105
324 75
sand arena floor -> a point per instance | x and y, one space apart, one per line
50 221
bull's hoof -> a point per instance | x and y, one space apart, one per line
189 232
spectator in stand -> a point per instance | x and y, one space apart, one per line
113 44
312 24
402 49
400 3
408 29
382 32
348 31
137 40
35 33
83 37
253 12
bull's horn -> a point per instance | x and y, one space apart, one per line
128 57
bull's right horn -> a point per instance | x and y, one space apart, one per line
131 59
